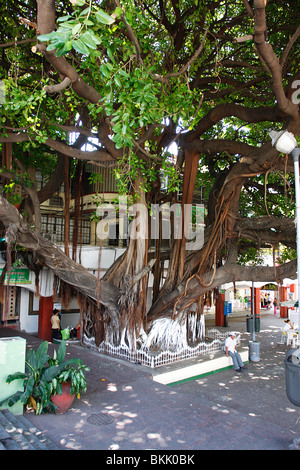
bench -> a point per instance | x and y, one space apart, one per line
203 366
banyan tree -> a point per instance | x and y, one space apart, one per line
186 90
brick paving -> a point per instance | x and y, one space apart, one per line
124 409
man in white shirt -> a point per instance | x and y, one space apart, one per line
230 350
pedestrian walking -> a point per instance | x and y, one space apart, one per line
55 324
275 303
266 301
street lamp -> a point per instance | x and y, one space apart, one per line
285 142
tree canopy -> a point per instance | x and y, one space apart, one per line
190 88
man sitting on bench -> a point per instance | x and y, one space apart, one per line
230 350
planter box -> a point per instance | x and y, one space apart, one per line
12 359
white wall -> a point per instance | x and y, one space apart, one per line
90 257
28 323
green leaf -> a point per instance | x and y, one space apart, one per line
88 40
63 18
45 37
28 389
59 388
68 25
61 351
68 46
60 51
31 359
103 17
13 399
52 46
85 11
80 47
50 373
41 355
94 37
104 70
118 12
122 72
76 28
110 55
117 80
71 362
15 376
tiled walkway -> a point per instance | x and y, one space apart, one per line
124 409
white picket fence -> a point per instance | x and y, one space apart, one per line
151 359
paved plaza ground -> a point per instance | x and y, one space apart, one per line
124 409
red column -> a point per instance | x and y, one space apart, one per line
220 310
292 288
282 297
256 300
45 314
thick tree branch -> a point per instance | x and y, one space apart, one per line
96 156
266 52
248 8
289 46
217 146
253 115
46 24
52 257
59 87
230 272
18 43
191 61
268 230
32 193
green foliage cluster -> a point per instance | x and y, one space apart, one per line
134 56
251 256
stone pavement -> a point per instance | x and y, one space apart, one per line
124 409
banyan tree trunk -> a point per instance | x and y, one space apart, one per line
178 247
132 273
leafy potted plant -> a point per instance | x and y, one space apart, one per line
44 379
69 383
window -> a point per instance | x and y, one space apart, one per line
54 228
85 226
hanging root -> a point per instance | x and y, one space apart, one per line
209 256
169 334
133 309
